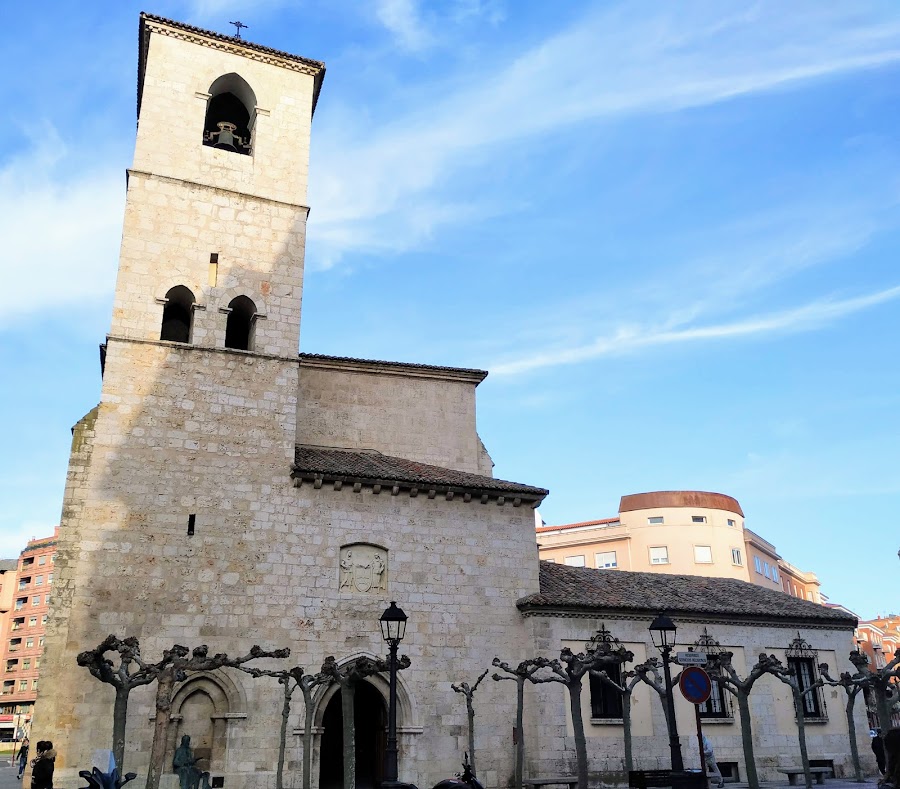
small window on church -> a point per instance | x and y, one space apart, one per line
228 115
239 328
177 315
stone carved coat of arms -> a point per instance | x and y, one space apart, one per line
363 568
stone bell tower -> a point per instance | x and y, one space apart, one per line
168 508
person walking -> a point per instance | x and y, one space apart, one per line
22 756
712 769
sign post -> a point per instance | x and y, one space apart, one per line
696 687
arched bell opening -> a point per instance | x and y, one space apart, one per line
239 329
178 313
230 115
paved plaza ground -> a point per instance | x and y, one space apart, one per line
8 781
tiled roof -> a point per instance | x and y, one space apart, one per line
8 564
371 468
580 525
582 588
412 366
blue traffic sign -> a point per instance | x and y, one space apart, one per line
695 685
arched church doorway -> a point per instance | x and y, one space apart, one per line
370 713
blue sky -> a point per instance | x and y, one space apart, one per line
669 230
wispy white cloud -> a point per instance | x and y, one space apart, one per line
403 19
622 60
633 338
60 233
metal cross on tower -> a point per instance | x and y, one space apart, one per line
237 28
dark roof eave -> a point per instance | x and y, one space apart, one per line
529 606
532 496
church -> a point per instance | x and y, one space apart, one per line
230 491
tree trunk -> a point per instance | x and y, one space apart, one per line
626 731
307 736
747 739
520 735
574 688
851 730
801 735
282 741
470 710
347 693
120 716
883 706
165 684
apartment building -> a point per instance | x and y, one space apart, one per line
23 630
681 532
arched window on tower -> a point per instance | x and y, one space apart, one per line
230 114
178 313
241 320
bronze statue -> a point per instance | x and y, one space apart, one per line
185 764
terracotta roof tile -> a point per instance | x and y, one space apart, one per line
580 525
564 587
373 467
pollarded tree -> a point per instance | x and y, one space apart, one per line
851 690
741 689
123 677
290 680
347 676
880 683
648 673
468 692
176 664
570 670
627 682
521 674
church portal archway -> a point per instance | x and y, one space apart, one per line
370 712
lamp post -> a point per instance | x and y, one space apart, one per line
393 628
662 631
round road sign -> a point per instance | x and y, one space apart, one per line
695 684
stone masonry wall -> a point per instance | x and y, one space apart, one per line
211 432
414 416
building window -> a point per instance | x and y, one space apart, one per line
18 622
26 664
736 557
43 622
37 662
698 519
606 701
12 665
46 599
732 522
42 560
659 555
178 313
656 520
53 559
718 705
39 581
758 564
766 569
23 684
804 669
606 559
239 328
774 573
34 684
23 582
20 603
575 561
27 562
29 642
41 641
50 578
809 596
36 600
703 554
32 622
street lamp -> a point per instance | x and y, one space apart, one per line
662 631
393 628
